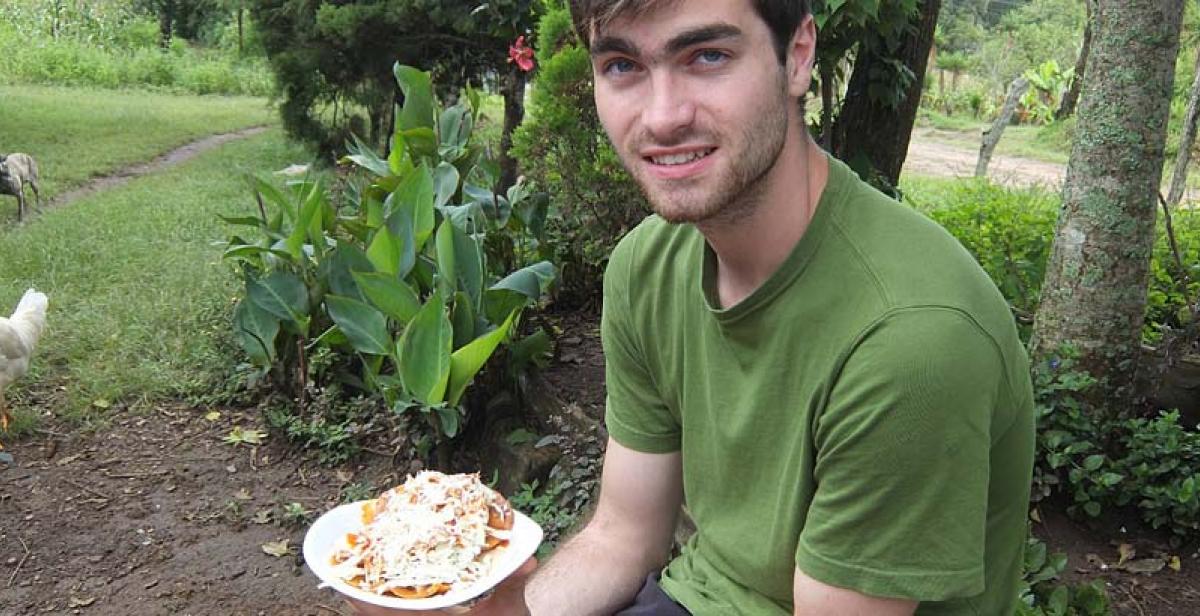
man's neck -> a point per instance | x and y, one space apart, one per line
753 247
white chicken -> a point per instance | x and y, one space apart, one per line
18 335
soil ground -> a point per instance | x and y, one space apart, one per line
156 514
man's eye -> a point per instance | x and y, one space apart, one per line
711 56
619 66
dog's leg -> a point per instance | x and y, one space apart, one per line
20 205
36 193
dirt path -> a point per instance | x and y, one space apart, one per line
156 514
932 153
180 154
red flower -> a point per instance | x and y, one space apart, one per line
522 55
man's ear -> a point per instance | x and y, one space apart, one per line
801 55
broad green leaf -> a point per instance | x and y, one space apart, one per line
462 316
399 162
449 420
364 156
418 97
531 281
415 195
445 181
282 294
364 326
255 330
390 294
1092 463
421 142
244 252
309 217
467 361
466 217
425 352
334 336
454 127
447 263
341 266
384 251
532 214
400 224
497 303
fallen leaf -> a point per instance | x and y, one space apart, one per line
345 476
101 403
277 548
1174 564
1145 565
1127 552
1035 516
80 602
243 494
213 415
262 517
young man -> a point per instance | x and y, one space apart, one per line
826 377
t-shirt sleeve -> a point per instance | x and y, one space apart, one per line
635 414
902 463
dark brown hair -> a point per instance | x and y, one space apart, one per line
781 16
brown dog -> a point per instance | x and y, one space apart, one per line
17 170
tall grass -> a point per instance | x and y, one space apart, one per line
76 134
106 44
139 298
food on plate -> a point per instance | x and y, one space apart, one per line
425 537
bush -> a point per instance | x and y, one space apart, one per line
1148 463
564 150
1008 230
398 290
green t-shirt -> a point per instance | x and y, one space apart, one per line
865 415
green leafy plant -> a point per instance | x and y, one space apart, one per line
1151 464
1041 594
397 283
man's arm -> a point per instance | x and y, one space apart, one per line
813 598
601 569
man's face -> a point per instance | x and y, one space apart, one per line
696 103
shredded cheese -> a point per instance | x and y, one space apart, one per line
425 536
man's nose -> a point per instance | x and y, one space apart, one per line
670 110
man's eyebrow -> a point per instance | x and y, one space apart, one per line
696 36
701 35
613 44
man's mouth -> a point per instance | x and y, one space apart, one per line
671 160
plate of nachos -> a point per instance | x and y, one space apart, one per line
435 541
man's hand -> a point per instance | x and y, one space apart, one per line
507 600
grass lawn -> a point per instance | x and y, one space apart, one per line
139 297
78 133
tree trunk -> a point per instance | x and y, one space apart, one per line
514 112
875 129
241 35
991 136
1067 107
166 23
827 73
1094 296
1179 177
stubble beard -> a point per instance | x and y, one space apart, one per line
736 192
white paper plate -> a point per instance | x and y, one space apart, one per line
329 533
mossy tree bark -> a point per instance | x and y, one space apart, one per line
1094 295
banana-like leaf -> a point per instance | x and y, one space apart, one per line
445 181
272 194
531 281
282 294
255 330
425 352
309 223
418 97
364 156
364 326
467 361
341 266
447 261
390 294
462 316
416 196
